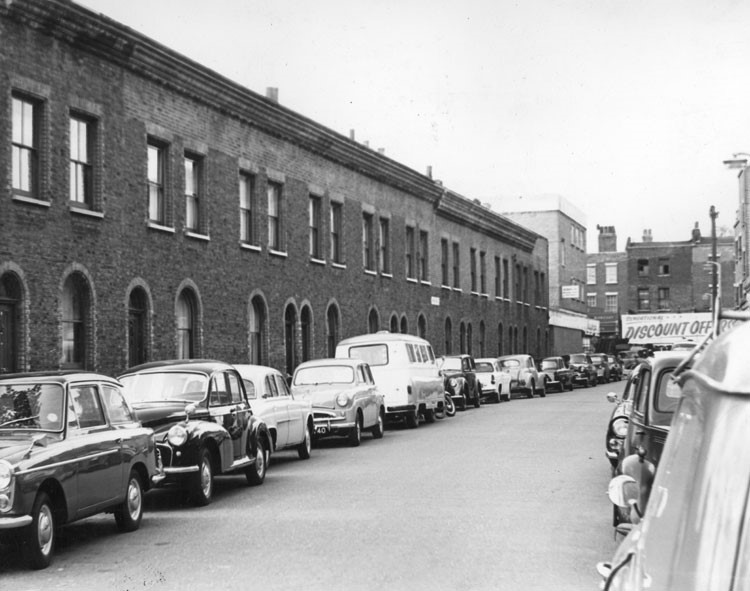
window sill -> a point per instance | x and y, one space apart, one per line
458 289
386 275
426 282
196 236
315 261
253 247
446 287
411 280
370 272
160 228
278 253
474 293
338 265
31 200
486 296
86 212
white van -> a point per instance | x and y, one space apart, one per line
405 371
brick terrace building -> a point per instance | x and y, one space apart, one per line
151 209
607 287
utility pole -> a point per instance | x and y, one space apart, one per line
714 284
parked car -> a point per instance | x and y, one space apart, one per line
70 447
203 422
556 374
617 427
524 376
601 365
695 532
584 372
289 420
405 370
462 370
495 382
344 397
615 368
654 399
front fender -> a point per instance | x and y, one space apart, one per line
258 431
643 472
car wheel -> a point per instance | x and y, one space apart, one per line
355 435
379 428
412 420
256 473
202 485
498 395
129 514
429 415
477 398
450 407
531 389
38 542
304 449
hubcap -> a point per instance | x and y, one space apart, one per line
134 500
260 460
45 529
206 478
308 440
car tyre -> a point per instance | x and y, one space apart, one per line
429 415
450 407
379 429
202 485
129 514
412 420
355 435
477 398
531 390
304 449
256 473
38 542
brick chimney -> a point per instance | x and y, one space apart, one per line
607 238
696 235
272 93
647 237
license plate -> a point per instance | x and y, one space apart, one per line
321 430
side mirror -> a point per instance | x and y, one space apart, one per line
623 490
189 410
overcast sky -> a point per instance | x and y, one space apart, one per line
625 108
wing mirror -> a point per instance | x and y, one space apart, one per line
189 410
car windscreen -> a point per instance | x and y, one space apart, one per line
324 374
162 386
38 407
668 394
551 364
484 367
597 358
510 363
578 359
451 363
373 354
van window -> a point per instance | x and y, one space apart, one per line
372 354
410 352
431 354
425 355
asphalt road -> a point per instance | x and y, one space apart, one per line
504 497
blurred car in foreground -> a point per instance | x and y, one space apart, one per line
695 532
495 382
203 422
289 421
557 374
344 397
70 447
524 376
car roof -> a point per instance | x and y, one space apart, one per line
198 365
485 360
59 377
724 364
383 336
518 356
249 371
330 362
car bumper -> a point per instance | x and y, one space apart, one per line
15 522
332 426
400 411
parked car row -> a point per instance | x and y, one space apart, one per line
682 486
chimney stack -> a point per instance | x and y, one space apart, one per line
272 93
607 238
647 237
696 236
351 134
429 172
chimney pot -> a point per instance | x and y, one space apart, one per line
272 93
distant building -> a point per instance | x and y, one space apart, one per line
607 287
564 226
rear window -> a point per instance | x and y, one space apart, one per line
324 374
510 363
374 355
486 367
578 359
551 364
668 394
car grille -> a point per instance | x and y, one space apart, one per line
165 451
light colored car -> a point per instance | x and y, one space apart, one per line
406 372
344 397
524 376
289 420
495 382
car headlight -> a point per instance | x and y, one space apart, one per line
6 474
620 427
453 382
342 399
177 435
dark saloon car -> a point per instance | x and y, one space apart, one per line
617 427
556 374
203 422
695 532
70 447
654 397
615 368
601 365
459 373
584 372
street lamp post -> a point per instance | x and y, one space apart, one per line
714 287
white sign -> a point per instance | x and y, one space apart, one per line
435 301
668 328
571 292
